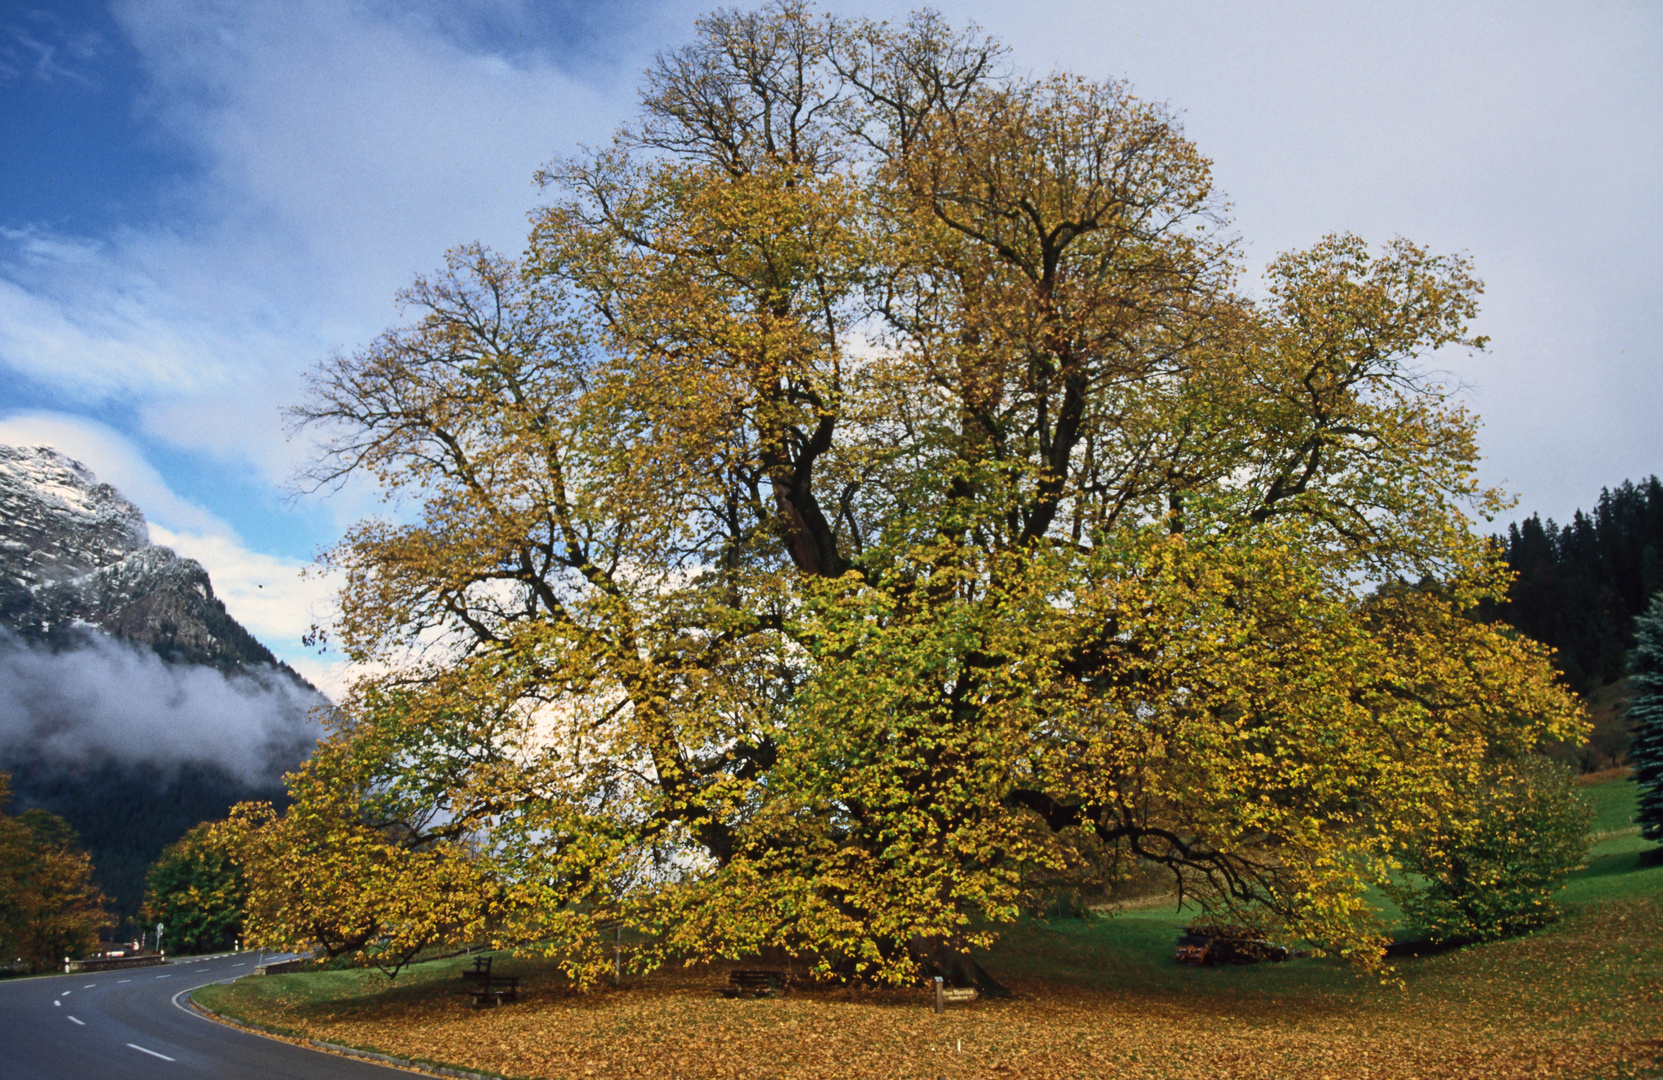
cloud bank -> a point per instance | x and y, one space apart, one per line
108 700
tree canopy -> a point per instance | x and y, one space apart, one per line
49 906
196 888
873 492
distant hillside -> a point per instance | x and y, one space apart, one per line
131 748
127 812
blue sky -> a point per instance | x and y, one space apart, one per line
199 199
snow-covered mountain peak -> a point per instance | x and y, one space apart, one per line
77 553
57 521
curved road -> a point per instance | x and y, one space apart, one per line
116 1025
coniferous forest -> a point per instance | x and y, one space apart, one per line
1579 586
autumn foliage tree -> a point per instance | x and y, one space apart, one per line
49 906
871 494
359 869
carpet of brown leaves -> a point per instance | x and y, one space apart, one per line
1583 1002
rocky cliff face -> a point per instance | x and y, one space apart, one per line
76 553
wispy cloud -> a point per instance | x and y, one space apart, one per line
37 44
93 329
340 150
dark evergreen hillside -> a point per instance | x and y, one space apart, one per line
126 813
1580 586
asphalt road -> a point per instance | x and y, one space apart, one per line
126 1025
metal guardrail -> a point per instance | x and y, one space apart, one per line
111 963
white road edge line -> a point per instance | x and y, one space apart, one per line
73 1020
191 1011
152 1053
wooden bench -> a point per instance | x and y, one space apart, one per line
494 988
481 970
753 984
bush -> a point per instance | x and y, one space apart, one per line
1493 870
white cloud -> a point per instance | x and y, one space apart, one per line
77 320
111 698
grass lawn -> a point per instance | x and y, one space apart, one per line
1094 998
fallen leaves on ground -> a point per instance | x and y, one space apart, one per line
1585 1001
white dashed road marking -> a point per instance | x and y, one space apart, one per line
89 986
152 1053
58 1004
164 976
123 980
73 1020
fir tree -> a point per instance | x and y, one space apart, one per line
1645 747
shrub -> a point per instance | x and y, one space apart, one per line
1491 872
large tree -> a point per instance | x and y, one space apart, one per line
197 889
871 494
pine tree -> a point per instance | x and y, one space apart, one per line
1645 747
